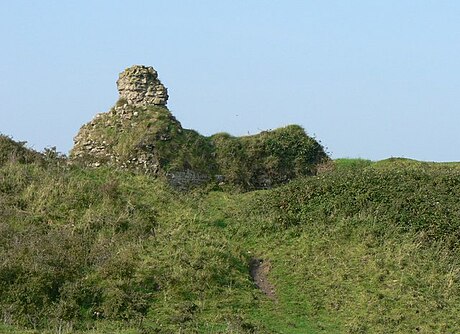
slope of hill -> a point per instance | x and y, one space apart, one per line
368 248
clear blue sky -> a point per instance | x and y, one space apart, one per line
370 79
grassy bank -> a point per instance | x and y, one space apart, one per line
361 248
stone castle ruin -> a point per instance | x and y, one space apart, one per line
140 86
140 134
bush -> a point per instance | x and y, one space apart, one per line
269 158
12 151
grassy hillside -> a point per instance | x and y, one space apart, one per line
360 248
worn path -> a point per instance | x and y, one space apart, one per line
259 269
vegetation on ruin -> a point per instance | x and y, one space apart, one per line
124 136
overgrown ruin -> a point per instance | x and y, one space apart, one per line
139 133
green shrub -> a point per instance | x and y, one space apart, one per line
269 158
12 151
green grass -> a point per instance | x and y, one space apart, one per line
349 163
366 247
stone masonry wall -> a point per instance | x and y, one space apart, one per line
139 88
139 85
186 179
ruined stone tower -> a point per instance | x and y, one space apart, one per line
139 85
126 135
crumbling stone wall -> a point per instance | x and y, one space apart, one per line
139 90
139 85
97 142
129 134
186 179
